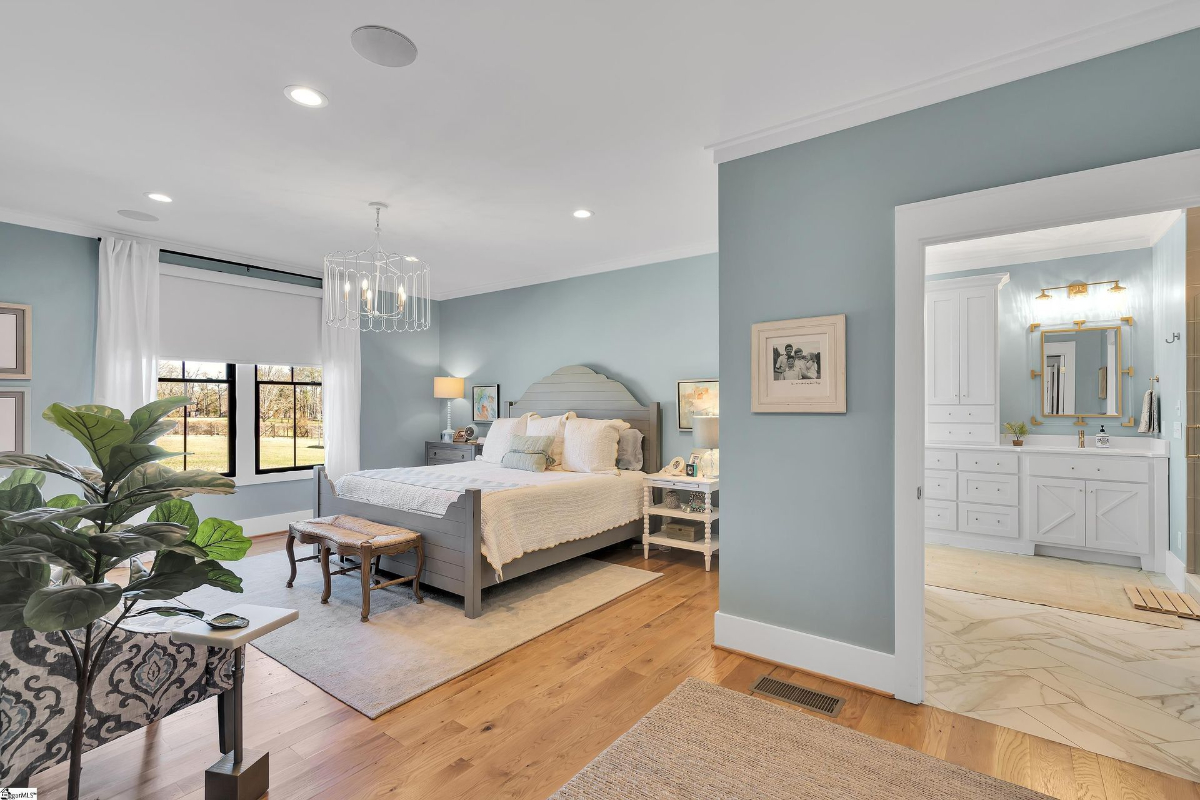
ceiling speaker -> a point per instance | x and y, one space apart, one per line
383 46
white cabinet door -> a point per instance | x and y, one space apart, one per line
1056 513
1118 516
942 347
977 346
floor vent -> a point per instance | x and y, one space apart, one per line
799 695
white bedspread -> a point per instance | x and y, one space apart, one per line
521 511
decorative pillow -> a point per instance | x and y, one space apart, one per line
552 426
499 437
533 445
530 462
590 445
629 449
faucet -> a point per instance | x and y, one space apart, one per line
1081 440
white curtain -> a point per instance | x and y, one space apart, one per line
341 395
126 325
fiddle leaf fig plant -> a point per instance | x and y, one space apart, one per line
55 555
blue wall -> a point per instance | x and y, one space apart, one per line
807 500
58 275
1018 348
647 327
1170 364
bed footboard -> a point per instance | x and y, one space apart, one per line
452 542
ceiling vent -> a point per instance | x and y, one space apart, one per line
383 46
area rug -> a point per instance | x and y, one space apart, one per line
408 648
704 742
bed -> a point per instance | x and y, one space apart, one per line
449 512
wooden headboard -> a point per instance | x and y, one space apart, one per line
594 396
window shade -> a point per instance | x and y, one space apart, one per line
208 316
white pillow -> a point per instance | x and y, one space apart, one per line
500 436
629 450
552 426
590 445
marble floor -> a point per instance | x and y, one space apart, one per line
1119 688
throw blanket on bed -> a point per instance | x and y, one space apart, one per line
520 511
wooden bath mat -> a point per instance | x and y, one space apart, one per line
1163 601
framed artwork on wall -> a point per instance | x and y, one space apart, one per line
798 366
700 396
485 403
14 420
16 341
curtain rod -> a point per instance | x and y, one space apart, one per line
244 266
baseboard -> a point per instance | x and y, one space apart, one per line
840 661
1176 572
973 541
256 526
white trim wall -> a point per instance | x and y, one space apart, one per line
1138 187
257 526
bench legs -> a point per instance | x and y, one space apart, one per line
325 574
365 570
290 547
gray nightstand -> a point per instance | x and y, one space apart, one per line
450 452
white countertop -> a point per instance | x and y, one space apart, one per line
263 620
1040 449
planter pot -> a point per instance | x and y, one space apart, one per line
1018 442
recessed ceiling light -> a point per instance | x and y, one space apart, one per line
582 213
383 46
140 216
158 197
305 96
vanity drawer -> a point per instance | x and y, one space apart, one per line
987 462
940 459
987 487
941 514
1100 468
960 433
989 520
940 485
981 414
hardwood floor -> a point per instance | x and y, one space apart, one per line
522 725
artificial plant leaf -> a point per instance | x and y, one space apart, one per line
38 548
170 611
177 511
21 476
150 537
137 570
15 592
12 530
21 497
91 511
98 434
151 484
85 475
221 577
38 573
188 548
56 608
172 561
145 417
64 501
221 539
160 428
124 457
101 411
167 585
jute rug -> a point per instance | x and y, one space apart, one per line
705 742
407 649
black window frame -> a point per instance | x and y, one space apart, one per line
258 384
229 380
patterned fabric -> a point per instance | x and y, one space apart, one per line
422 490
143 677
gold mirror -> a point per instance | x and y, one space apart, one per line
1081 372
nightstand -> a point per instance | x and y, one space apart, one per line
685 486
451 452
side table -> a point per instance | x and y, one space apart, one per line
239 774
709 486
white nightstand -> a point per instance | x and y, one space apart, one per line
679 483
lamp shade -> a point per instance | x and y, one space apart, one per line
706 432
447 388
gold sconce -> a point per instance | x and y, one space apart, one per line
1079 289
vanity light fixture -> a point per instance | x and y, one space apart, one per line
305 96
1079 289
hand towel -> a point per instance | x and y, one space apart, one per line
1149 422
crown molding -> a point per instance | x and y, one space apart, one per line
644 259
75 228
1146 26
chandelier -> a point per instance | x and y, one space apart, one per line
373 290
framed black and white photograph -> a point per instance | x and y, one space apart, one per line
16 341
799 366
14 420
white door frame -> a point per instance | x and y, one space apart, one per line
1067 351
1139 187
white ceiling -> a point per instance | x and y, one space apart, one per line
514 114
1084 239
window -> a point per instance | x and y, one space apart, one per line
204 428
289 432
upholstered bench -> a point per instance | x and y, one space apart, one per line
353 536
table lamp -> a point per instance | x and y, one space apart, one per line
706 432
448 389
